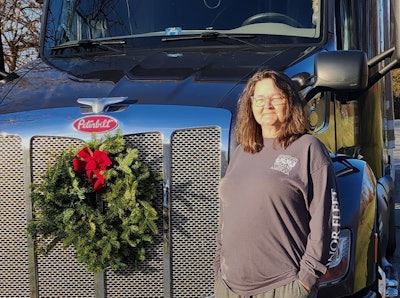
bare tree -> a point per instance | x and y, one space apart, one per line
19 29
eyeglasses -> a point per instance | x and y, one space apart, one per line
260 100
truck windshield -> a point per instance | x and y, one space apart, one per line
150 23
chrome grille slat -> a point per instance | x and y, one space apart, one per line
148 280
195 174
59 273
14 264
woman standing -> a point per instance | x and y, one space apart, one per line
279 208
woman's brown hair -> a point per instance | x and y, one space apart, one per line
248 131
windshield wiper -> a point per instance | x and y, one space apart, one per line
90 43
211 35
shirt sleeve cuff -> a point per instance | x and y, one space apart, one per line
308 279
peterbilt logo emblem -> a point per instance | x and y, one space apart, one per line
95 124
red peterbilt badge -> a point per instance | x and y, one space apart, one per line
95 124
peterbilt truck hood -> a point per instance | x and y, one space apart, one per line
212 79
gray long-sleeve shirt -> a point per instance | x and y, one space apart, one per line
279 216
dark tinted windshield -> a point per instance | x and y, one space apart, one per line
69 21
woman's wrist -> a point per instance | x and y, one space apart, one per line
305 286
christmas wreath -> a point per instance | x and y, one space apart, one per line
98 199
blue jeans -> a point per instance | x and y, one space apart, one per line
291 290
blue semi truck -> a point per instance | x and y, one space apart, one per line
168 74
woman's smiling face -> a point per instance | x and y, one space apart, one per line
270 111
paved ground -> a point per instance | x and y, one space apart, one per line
395 259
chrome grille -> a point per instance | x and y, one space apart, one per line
14 265
190 158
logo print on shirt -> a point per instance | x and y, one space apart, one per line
284 163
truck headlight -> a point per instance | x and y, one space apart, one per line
340 264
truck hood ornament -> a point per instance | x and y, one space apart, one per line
99 105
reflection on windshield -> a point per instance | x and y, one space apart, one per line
69 21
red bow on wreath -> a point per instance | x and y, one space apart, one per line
94 163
